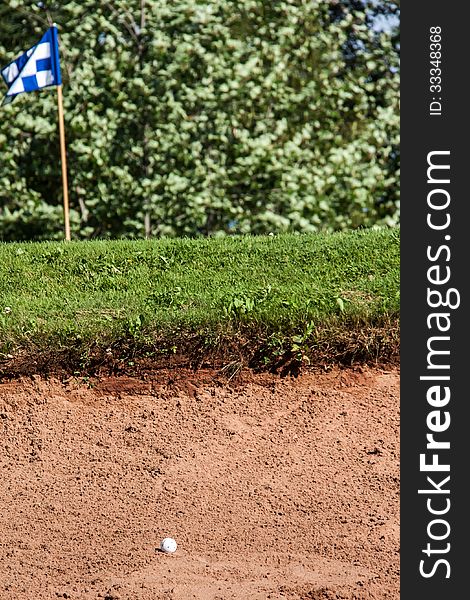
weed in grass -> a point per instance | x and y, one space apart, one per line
135 326
300 344
241 305
165 299
340 303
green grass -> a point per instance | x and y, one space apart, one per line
269 297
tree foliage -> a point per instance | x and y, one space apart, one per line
204 118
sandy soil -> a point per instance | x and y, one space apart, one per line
273 488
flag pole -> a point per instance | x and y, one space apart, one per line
63 161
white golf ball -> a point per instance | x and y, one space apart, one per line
168 545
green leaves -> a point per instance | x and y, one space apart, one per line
207 119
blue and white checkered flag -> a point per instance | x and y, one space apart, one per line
37 68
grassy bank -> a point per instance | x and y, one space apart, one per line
264 300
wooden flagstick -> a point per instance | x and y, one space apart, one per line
64 162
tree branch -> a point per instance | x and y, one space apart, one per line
131 27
